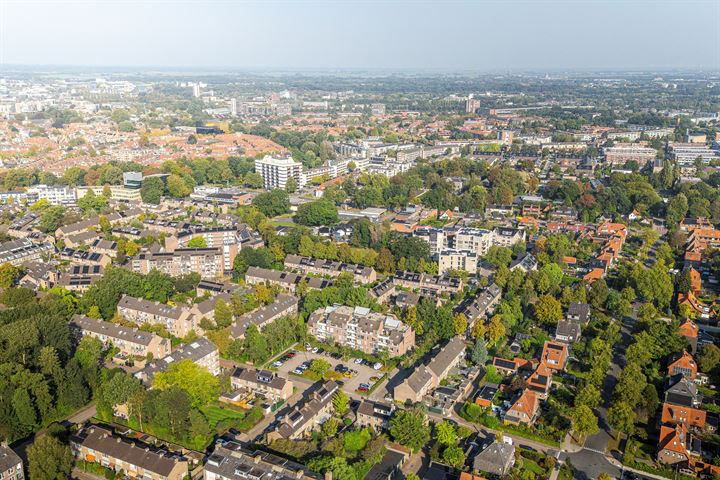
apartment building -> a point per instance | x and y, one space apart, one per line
232 461
11 467
56 195
621 153
311 411
426 378
276 172
206 262
287 280
201 352
457 260
262 383
476 240
96 444
283 306
129 340
177 321
431 284
15 252
228 239
686 153
361 329
360 273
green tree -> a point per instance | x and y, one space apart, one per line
622 417
49 459
460 322
223 314
320 367
479 353
52 219
152 190
445 433
584 421
409 428
588 396
709 358
454 456
548 310
197 242
273 203
340 403
195 380
9 274
320 212
177 187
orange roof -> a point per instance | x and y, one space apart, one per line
689 329
695 281
470 476
693 256
554 355
690 299
526 403
595 274
684 364
569 260
673 439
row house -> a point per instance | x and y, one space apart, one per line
262 383
283 306
201 352
426 378
306 265
361 329
84 257
482 305
233 461
287 280
314 409
128 340
15 252
177 321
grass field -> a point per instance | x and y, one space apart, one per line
216 414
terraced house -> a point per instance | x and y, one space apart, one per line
129 340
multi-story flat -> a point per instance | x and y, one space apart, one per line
687 153
621 153
231 461
95 444
11 467
428 283
56 195
201 352
457 260
277 171
361 329
311 411
425 378
288 280
176 320
206 262
129 340
361 274
15 252
229 239
283 306
264 383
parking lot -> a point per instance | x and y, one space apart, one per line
351 384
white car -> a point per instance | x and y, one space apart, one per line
314 350
277 364
377 366
358 361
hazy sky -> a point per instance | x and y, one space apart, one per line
390 34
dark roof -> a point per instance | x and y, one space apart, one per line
8 459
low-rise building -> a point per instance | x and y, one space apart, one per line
201 352
311 411
11 466
176 320
374 414
360 273
95 444
264 383
361 329
287 280
524 409
283 306
425 378
15 252
129 340
495 456
232 461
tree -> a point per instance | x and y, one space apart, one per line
320 367
152 190
588 396
195 380
499 256
548 310
479 354
9 274
291 185
495 329
622 417
340 403
409 428
177 187
320 212
197 242
460 322
223 314
454 456
445 433
49 459
52 219
709 358
273 203
584 421
677 208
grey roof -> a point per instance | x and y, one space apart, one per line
306 410
101 440
17 249
233 461
260 377
147 306
113 330
567 328
8 459
496 457
194 351
579 310
447 355
262 315
330 266
287 278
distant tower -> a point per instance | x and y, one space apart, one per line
472 104
196 89
233 107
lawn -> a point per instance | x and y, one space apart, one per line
356 440
216 414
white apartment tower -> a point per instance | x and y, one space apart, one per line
277 171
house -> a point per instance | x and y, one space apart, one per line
287 280
567 332
95 444
383 290
283 306
527 263
684 365
233 461
201 352
510 367
675 445
177 320
682 403
312 410
554 355
361 274
389 467
578 313
374 414
11 466
495 456
128 340
696 306
15 252
690 331
482 305
540 381
427 377
486 394
263 383
524 410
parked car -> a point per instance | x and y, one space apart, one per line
277 364
314 349
358 361
377 366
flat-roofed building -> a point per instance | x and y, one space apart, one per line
360 273
361 329
206 262
129 340
276 172
457 260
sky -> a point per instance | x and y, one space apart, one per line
450 35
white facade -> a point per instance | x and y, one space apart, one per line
277 171
54 195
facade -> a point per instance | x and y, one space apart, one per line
177 320
310 412
374 414
262 383
287 280
98 445
201 352
129 340
524 410
283 306
361 329
15 252
11 466
276 172
206 262
457 260
55 195
621 153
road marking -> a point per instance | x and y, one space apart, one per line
594 450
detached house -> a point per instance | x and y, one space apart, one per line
524 410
